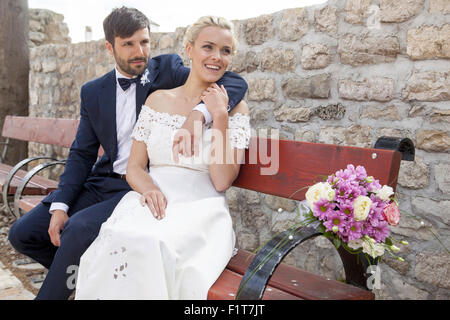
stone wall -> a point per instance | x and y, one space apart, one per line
345 72
14 69
47 27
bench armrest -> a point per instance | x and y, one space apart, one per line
12 173
404 145
27 178
265 262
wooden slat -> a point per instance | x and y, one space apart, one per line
302 164
27 203
36 186
225 288
303 284
58 132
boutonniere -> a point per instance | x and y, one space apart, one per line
144 78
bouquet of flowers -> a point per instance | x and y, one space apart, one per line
355 211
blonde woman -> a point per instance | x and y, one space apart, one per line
172 236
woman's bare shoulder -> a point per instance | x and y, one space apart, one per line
157 98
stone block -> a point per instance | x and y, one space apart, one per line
439 6
399 10
245 62
440 115
326 20
330 112
413 174
428 86
317 86
166 42
381 112
278 60
425 206
356 11
292 114
376 89
442 176
257 114
276 203
428 42
258 30
356 50
65 67
294 24
304 135
315 56
432 268
433 140
356 135
262 89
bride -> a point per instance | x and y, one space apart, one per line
172 236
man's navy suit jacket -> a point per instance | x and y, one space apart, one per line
98 121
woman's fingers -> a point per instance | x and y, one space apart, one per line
156 202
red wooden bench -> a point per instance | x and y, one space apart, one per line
58 132
300 164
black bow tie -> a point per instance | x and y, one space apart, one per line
125 83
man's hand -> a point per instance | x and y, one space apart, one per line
59 218
187 138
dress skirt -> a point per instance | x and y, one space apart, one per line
137 256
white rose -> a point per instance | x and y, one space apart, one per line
372 248
321 190
361 208
384 193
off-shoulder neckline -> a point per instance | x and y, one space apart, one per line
179 116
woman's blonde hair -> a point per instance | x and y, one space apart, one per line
209 21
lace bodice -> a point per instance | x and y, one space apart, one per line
157 130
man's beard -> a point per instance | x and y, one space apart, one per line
127 68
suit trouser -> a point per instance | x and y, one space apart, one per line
29 235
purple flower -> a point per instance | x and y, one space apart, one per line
346 208
381 232
354 230
335 219
322 208
361 173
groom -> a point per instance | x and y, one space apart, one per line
58 231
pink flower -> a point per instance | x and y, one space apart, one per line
392 214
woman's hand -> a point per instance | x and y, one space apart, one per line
216 100
156 201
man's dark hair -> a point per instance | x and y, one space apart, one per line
124 22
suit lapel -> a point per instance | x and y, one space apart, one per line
107 105
145 84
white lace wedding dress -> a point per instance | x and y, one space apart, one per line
137 256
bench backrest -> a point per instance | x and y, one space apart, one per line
54 131
58 132
302 164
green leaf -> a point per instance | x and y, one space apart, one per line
388 242
322 228
337 242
